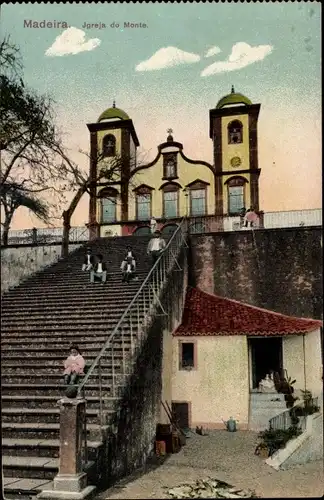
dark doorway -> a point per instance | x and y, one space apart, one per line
181 413
169 229
266 355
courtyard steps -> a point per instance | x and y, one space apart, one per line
40 319
263 407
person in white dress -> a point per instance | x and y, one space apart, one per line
267 384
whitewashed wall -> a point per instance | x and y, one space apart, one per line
19 263
219 386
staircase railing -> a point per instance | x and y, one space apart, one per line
283 420
127 338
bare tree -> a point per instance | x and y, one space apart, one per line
28 141
108 171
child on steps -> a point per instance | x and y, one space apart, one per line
73 366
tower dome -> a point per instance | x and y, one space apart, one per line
233 98
113 113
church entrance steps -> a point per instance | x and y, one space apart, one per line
69 322
41 431
41 415
27 351
72 313
39 389
39 370
91 291
24 489
41 318
44 401
31 467
57 359
38 448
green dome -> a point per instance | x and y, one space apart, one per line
113 112
233 98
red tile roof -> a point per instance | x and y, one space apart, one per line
205 314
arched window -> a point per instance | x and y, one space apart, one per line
108 203
235 132
109 145
198 198
170 194
236 195
143 203
142 231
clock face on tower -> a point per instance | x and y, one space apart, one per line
236 161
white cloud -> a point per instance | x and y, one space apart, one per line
71 41
167 58
241 56
212 51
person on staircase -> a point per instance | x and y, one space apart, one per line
250 219
128 266
73 366
88 261
153 224
156 246
99 271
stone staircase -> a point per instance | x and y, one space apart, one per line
40 319
263 407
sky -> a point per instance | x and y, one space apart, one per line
174 68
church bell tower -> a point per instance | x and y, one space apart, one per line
233 130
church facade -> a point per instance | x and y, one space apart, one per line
172 185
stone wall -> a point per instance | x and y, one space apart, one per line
132 443
278 269
18 263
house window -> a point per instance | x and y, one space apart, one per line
170 201
170 166
236 195
109 145
143 206
108 199
197 202
187 355
235 132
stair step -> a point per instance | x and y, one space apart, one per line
46 401
24 488
41 431
43 415
40 448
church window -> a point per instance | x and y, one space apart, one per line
170 166
109 145
198 201
170 201
236 195
143 202
235 132
108 200
186 355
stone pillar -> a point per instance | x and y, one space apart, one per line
71 481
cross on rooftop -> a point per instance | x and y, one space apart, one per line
170 131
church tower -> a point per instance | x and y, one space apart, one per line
113 142
233 129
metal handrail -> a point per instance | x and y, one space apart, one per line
283 419
127 310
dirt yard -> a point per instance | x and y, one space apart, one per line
225 456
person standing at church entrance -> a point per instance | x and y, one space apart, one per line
156 246
153 225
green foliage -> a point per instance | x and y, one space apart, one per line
276 439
